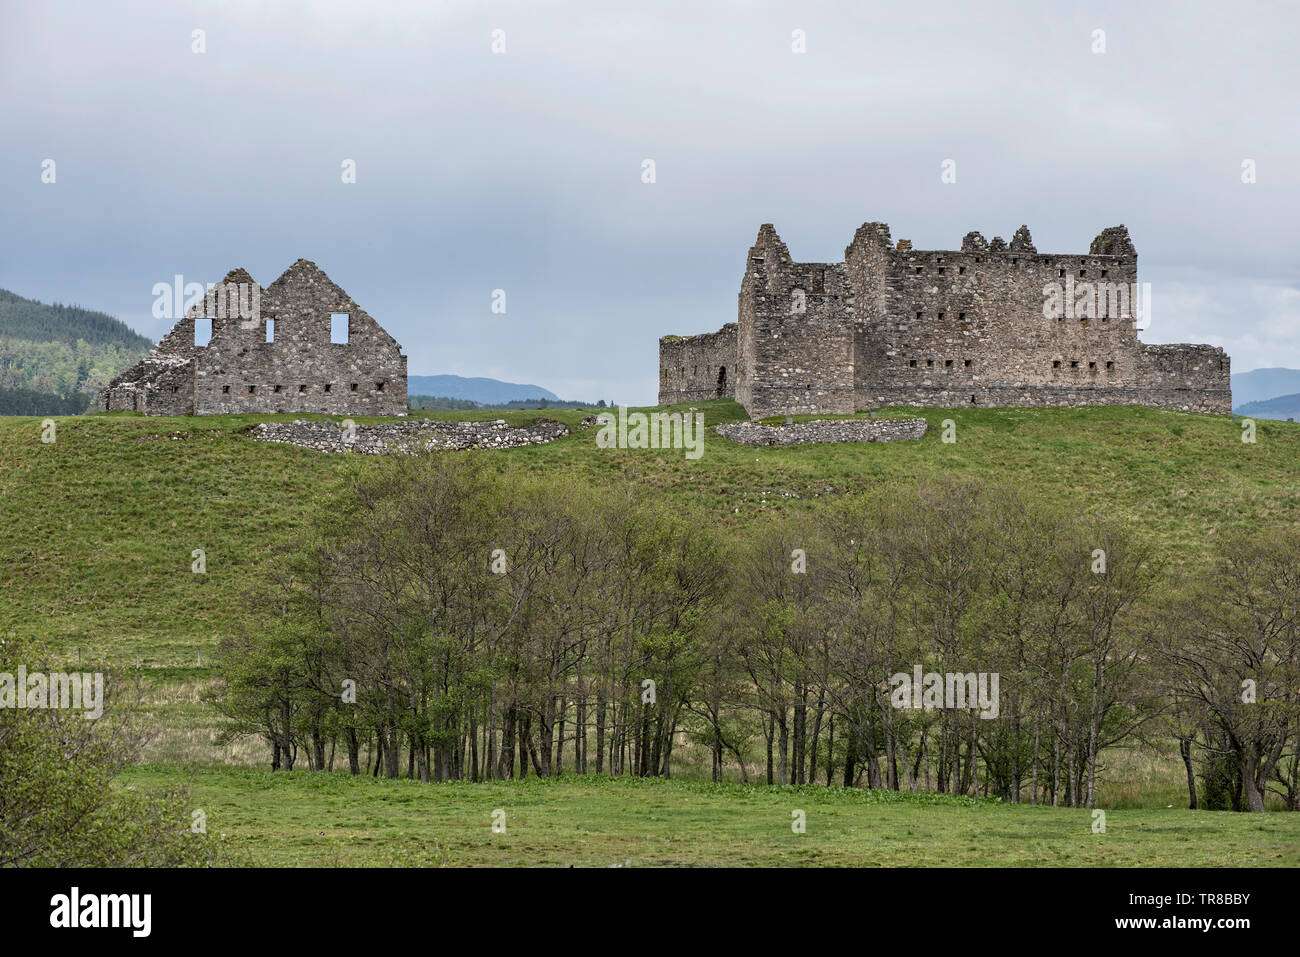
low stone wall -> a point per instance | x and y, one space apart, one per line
410 437
824 430
1042 397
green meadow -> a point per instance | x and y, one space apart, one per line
98 533
326 820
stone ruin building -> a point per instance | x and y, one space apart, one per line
303 346
892 325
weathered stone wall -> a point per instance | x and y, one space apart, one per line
797 337
824 430
300 370
695 368
897 326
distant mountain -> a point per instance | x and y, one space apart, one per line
53 358
1260 384
485 391
1281 407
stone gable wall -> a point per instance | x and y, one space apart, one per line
301 370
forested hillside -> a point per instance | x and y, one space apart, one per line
53 358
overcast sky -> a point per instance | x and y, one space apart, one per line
522 171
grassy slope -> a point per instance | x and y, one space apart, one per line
96 532
97 529
335 820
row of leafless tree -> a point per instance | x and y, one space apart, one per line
478 625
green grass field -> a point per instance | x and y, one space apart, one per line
309 819
97 531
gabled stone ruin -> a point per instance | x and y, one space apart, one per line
300 345
893 325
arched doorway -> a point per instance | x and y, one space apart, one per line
722 382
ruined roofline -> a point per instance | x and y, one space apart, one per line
698 335
1113 242
298 267
1009 252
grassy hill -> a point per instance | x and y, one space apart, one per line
98 528
53 358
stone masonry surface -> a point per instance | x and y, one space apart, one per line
892 325
824 430
280 359
409 437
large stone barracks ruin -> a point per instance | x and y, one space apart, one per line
300 345
892 325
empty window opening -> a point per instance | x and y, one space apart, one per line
941 268
225 389
1092 365
972 400
919 270
1015 261
918 315
961 316
1103 273
354 387
1110 365
302 388
1074 363
966 363
278 388
929 363
379 387
339 328
270 330
1060 273
912 363
252 389
1082 273
176 388
721 389
947 363
327 386
941 316
961 270
1056 363
202 331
